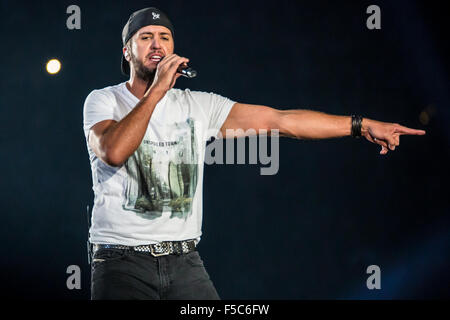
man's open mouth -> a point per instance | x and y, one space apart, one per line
156 58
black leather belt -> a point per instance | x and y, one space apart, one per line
156 250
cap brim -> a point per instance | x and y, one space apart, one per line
125 66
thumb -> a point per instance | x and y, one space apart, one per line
384 150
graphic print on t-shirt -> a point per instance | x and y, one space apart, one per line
162 175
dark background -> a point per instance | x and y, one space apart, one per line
309 232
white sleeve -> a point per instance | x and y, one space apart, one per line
98 106
217 108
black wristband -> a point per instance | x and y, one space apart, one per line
356 126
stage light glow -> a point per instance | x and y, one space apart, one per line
426 115
424 118
53 66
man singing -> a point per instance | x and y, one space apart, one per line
146 142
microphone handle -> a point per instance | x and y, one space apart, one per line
187 72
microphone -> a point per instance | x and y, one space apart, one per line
187 72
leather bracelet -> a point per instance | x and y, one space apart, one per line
356 126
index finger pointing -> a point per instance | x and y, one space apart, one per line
405 130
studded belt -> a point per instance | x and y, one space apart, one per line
156 250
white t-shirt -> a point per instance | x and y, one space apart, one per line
156 195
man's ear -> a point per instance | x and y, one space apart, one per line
126 54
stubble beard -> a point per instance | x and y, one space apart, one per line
141 71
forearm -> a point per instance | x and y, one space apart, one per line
308 124
122 139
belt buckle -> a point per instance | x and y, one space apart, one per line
162 249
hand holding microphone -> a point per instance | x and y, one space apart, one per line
169 70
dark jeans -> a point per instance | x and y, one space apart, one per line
127 274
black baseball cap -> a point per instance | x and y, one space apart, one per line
139 19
